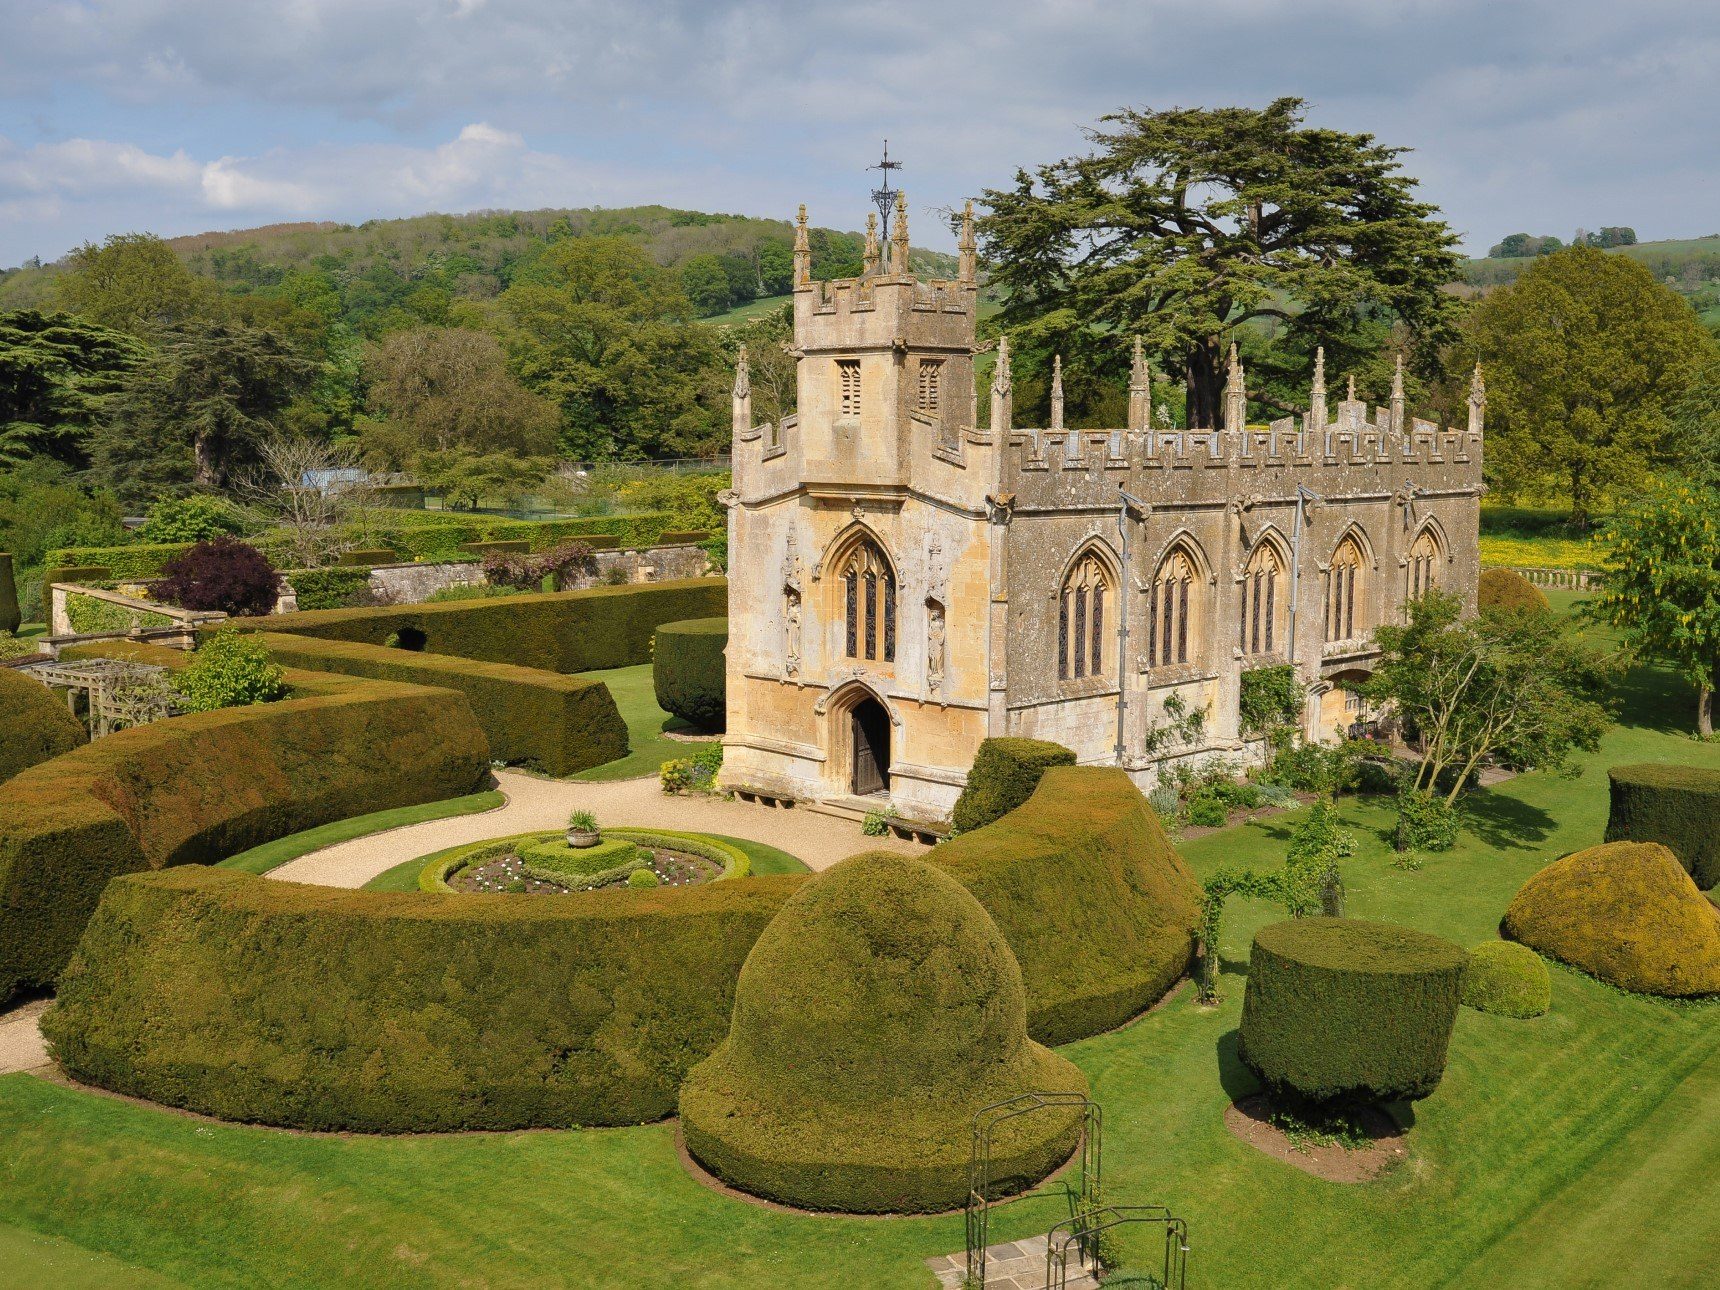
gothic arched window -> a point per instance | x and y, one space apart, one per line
1173 611
1263 594
869 604
1083 604
1345 587
1424 561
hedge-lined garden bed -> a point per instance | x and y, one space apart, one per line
548 721
198 788
569 631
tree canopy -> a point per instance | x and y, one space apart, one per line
1586 356
57 374
1186 225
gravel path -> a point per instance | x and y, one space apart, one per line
819 840
22 1047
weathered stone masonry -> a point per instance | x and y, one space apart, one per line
905 581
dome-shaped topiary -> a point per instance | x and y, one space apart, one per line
876 1014
688 670
1626 912
1339 1008
1507 979
1508 589
36 724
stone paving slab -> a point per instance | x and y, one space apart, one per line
1009 1265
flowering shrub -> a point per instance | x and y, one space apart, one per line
526 570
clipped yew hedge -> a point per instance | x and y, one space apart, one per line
1340 1008
11 618
34 724
1507 589
564 631
874 1016
1005 772
1097 906
549 721
1626 912
322 1008
688 670
198 788
1676 806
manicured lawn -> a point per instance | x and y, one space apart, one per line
649 747
270 854
1577 1149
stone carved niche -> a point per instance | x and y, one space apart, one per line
936 627
791 609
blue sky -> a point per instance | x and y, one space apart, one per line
176 116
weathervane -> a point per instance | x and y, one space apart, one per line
884 198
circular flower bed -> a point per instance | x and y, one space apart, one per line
543 864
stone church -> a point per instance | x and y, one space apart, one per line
907 578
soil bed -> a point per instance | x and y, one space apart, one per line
507 874
1250 1119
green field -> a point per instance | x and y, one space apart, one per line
749 311
1574 1150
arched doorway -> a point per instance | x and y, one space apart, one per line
869 760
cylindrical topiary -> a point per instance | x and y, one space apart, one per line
1341 1008
34 722
1626 912
1676 806
687 670
1507 979
1510 590
875 1015
11 619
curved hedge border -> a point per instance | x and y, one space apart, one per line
551 722
319 1008
565 631
1676 806
198 788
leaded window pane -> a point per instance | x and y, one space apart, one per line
1098 628
889 618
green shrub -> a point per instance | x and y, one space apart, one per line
1507 979
1271 699
330 588
36 723
11 617
1208 811
545 720
1314 768
1005 773
643 878
1506 589
89 615
196 518
873 1017
229 670
569 631
319 1008
1424 823
1626 912
1083 862
470 591
695 774
199 788
687 670
1340 1008
366 557
1676 806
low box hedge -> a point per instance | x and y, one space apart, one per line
328 588
320 1008
198 788
1005 772
1098 907
566 631
549 721
1341 1008
552 855
688 671
82 574
367 557
1676 806
131 562
682 537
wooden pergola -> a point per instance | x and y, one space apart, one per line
119 693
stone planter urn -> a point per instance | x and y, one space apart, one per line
582 831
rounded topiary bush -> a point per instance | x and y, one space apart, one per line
1341 1008
1507 979
687 669
874 1016
1626 912
34 722
1508 589
1676 806
1005 772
